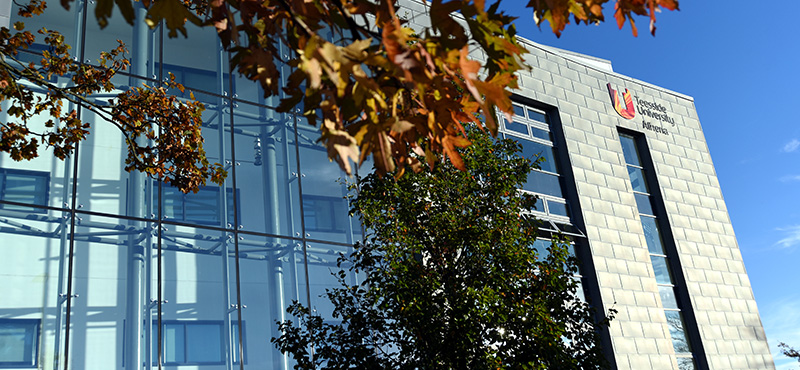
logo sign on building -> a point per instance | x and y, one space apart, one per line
626 109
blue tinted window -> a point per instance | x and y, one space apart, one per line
629 150
536 116
195 342
668 297
29 187
516 127
653 235
675 323
541 134
204 343
325 213
637 179
660 268
519 111
19 342
201 208
556 208
543 183
644 204
534 150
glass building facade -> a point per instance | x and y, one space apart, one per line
111 255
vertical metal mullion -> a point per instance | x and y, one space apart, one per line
239 306
159 225
82 31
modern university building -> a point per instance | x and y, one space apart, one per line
628 175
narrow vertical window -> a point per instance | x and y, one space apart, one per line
661 262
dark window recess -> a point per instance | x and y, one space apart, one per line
195 342
19 343
202 207
325 214
29 187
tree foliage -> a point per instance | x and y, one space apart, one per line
378 88
449 278
789 351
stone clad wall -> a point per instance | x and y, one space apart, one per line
721 297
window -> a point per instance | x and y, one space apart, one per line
531 129
662 264
202 208
195 342
325 214
195 79
19 342
29 187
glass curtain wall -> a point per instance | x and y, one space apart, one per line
107 269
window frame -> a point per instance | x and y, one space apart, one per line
36 325
34 208
185 324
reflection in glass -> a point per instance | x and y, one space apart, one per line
516 127
679 340
629 150
541 134
556 208
644 203
543 183
204 343
637 179
660 268
686 363
668 296
652 234
536 116
534 150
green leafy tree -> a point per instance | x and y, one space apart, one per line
449 278
377 89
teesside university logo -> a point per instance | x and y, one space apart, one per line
645 108
628 112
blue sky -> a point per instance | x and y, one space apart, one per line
742 66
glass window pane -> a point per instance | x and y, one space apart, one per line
18 343
516 126
686 363
543 183
652 234
541 245
25 187
556 208
668 296
536 116
519 111
679 340
660 268
629 150
203 343
534 150
644 204
541 134
637 179
174 344
173 202
539 205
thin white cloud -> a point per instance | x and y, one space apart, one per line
789 178
782 324
791 146
791 237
